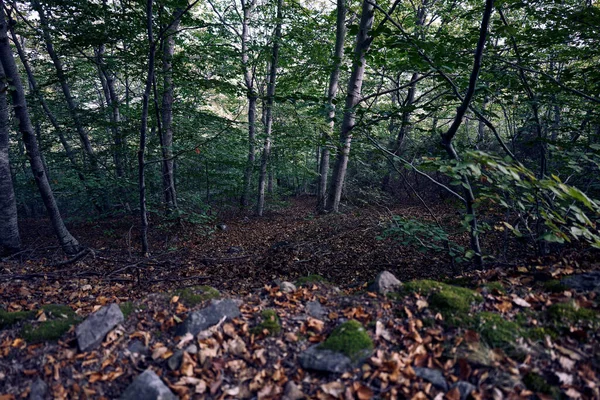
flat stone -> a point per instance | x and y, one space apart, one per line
465 389
38 390
91 332
203 319
587 282
148 386
434 376
315 309
174 362
292 392
317 359
137 347
384 283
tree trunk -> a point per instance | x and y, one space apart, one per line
10 242
62 79
68 243
338 55
143 131
363 42
252 97
168 176
260 206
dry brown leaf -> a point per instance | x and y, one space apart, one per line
334 389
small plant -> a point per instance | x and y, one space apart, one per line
270 323
350 339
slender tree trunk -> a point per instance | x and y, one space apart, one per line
68 243
10 242
168 176
260 206
363 42
481 126
448 137
143 132
252 97
338 55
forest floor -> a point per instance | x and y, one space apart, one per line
511 331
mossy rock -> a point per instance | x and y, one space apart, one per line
350 339
310 279
554 286
570 313
197 294
8 319
537 383
270 323
60 320
496 330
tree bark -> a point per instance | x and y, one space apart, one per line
68 243
338 55
168 176
363 42
10 241
62 79
252 98
260 206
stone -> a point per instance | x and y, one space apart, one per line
315 309
287 287
292 392
384 283
191 349
38 391
235 250
137 347
91 332
174 362
434 376
465 389
148 386
317 359
587 282
203 319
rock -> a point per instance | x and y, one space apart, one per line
292 392
38 391
318 359
384 283
588 282
235 250
465 389
222 227
91 332
148 386
174 362
191 349
287 287
434 376
137 347
315 309
198 321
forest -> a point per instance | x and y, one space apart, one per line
299 199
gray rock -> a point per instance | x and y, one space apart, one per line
174 362
198 321
384 283
235 250
465 389
191 349
91 332
137 347
148 386
434 376
315 309
317 359
38 391
588 282
292 392
287 287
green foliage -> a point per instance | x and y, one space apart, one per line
270 323
351 339
570 313
538 384
554 286
60 319
496 330
310 279
195 295
8 319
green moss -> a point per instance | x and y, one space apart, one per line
462 281
60 318
569 313
8 319
127 308
539 333
423 286
58 311
491 286
539 384
270 322
197 294
554 286
496 330
351 339
310 279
